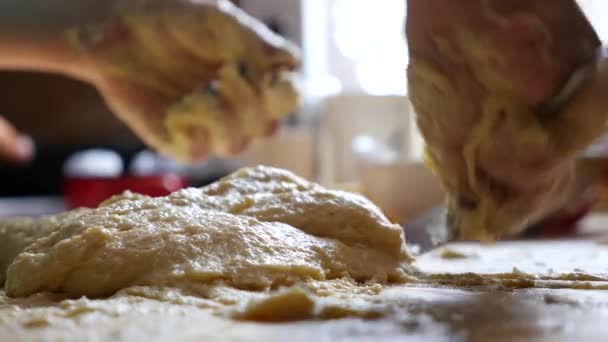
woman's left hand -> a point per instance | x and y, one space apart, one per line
194 79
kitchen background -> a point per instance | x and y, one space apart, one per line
355 129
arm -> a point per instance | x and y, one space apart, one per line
32 38
33 34
44 52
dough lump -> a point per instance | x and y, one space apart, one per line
259 228
19 232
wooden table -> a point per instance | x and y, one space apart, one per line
420 312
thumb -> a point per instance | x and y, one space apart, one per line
14 147
583 118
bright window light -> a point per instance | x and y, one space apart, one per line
596 12
372 37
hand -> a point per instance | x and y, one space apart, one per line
193 79
479 74
14 146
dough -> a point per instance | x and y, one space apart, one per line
259 229
261 245
433 307
18 233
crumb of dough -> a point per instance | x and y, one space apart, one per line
577 275
448 253
517 271
290 305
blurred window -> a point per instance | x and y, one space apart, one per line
370 44
596 11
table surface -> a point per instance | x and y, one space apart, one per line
31 206
541 311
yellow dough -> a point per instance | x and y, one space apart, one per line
18 233
260 228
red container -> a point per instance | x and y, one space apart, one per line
90 192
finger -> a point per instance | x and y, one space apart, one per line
271 128
542 42
199 144
241 145
141 49
241 114
583 119
236 135
531 45
141 108
14 146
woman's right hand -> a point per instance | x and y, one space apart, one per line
480 73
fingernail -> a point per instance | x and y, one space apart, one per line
241 146
272 128
24 148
